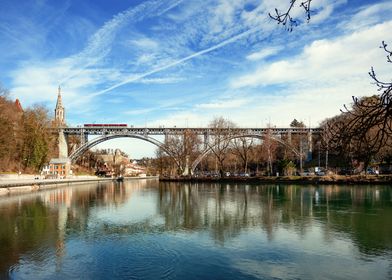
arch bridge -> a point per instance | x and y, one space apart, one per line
107 132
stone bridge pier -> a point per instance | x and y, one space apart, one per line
62 144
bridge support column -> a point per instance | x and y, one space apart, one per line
62 145
289 136
310 145
83 137
186 169
206 136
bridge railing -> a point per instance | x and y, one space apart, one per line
181 130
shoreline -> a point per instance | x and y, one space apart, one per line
306 180
22 186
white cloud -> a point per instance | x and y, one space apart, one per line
100 43
335 60
163 80
223 104
264 53
140 111
184 119
368 16
316 83
37 80
135 148
224 14
145 43
134 78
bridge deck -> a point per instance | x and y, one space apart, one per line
181 130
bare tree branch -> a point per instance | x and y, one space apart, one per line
286 19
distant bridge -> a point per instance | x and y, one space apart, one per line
107 132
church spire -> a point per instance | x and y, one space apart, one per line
59 112
59 101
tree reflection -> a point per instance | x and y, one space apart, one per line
225 210
24 227
44 221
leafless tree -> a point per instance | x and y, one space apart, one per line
366 128
269 147
285 18
221 140
374 112
242 147
184 148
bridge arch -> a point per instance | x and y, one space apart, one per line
79 151
262 137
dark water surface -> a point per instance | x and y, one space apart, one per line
150 230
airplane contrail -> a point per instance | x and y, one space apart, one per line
174 63
99 44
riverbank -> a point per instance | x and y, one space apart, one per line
330 179
10 186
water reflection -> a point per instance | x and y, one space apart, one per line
46 231
362 212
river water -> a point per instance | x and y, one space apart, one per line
150 230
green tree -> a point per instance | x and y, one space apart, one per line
296 123
37 137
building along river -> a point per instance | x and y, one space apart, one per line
150 229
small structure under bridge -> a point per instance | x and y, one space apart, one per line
107 132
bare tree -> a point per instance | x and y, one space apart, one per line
374 112
192 144
269 148
242 147
220 140
351 138
184 148
366 128
174 144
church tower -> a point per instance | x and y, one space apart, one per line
59 111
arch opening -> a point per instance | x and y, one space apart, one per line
79 151
208 150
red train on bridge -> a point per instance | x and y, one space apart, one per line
105 125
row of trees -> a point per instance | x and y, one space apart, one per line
337 148
26 143
224 151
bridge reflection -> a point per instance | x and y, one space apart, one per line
45 221
228 209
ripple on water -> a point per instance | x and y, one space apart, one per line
31 264
154 256
135 256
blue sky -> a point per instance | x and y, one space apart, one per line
184 62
